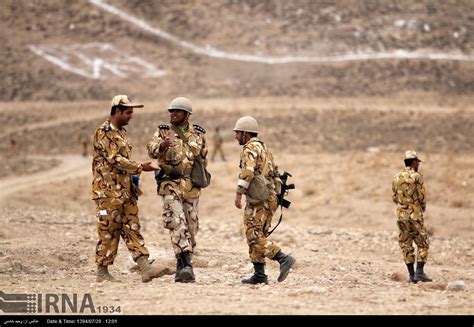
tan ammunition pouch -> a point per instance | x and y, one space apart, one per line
259 188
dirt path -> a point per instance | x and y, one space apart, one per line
72 166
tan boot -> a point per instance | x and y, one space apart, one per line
104 275
148 271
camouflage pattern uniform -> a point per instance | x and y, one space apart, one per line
255 158
115 194
409 195
180 197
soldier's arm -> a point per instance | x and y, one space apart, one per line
153 147
247 172
111 152
420 189
204 150
394 190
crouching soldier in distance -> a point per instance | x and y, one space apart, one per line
116 195
409 196
178 147
257 180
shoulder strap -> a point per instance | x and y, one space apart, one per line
180 134
268 155
184 138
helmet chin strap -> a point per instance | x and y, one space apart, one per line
244 136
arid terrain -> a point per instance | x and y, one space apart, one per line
339 126
340 227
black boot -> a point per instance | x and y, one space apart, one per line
186 274
259 275
420 275
179 266
411 271
285 261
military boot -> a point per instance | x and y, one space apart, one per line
286 262
179 266
104 275
148 271
258 277
420 276
411 271
186 274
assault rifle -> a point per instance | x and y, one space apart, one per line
285 188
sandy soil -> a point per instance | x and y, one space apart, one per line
341 226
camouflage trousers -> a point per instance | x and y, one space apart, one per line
116 218
413 231
257 221
180 217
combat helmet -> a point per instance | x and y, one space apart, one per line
246 124
181 103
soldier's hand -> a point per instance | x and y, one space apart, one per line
147 166
238 200
165 144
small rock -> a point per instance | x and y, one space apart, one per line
213 263
458 285
317 290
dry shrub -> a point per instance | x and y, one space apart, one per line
397 277
457 203
430 230
310 191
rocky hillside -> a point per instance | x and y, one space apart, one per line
75 50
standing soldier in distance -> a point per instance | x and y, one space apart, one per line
176 146
116 195
218 142
256 159
409 196
84 141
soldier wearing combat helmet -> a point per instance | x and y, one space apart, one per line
115 193
177 147
257 181
409 196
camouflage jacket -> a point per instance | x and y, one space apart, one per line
112 166
255 159
179 156
409 194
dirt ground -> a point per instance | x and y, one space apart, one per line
341 227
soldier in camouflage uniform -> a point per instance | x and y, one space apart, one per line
116 195
256 159
176 146
218 144
409 196
84 141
